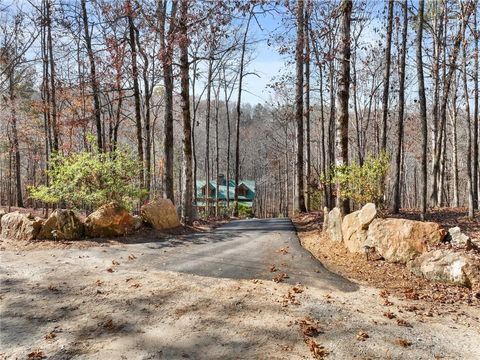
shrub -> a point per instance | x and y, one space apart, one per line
91 178
361 183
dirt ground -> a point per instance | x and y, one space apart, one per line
392 278
113 302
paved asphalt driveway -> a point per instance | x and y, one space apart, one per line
242 249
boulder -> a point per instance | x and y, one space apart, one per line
447 266
109 220
161 214
16 225
458 238
401 240
62 224
355 227
334 225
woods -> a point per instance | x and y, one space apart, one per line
172 81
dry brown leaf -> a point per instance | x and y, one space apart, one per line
273 268
110 270
131 257
402 342
318 351
362 336
389 315
401 322
283 250
50 336
99 282
310 327
280 277
52 288
115 262
36 355
135 285
297 290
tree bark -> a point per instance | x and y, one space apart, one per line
299 60
341 141
136 92
423 110
386 76
187 198
93 76
401 113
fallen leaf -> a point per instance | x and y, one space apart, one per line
309 327
52 287
401 322
318 351
389 315
50 336
110 270
115 262
280 277
135 285
362 336
273 268
99 282
131 257
36 355
402 342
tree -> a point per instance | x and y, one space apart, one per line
166 53
299 61
386 76
401 112
93 75
423 109
341 123
187 210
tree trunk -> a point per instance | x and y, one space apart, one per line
386 76
307 103
341 140
136 92
423 111
401 112
239 112
166 49
93 76
14 140
299 60
53 88
187 198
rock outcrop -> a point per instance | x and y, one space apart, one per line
62 224
447 266
16 225
333 225
401 240
160 214
109 220
355 228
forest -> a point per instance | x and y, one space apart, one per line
384 88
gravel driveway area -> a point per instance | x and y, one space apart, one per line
247 290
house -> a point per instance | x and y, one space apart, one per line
246 192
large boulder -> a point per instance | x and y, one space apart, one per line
401 240
355 228
333 226
16 225
62 224
447 266
161 214
109 220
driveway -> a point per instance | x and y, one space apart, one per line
206 296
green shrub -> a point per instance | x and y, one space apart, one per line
361 183
91 178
